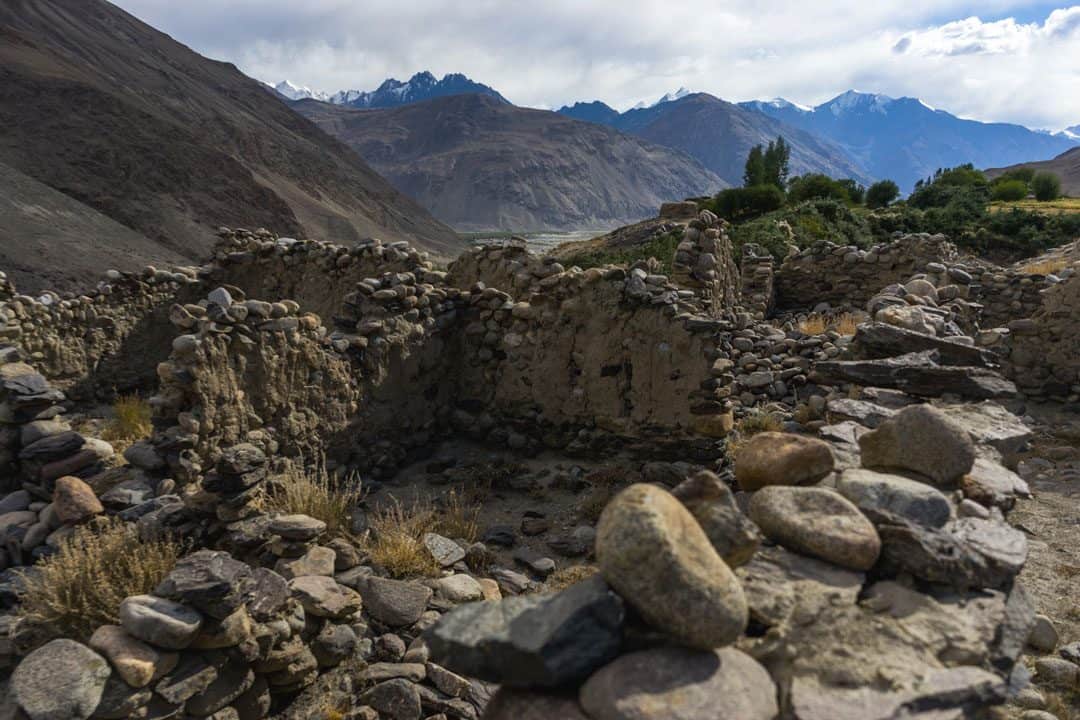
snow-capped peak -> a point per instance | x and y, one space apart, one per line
854 100
294 92
1073 133
667 97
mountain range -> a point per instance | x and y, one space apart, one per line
860 135
479 163
392 93
132 127
904 139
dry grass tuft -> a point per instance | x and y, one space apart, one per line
759 420
79 589
396 540
457 518
130 422
314 493
603 482
567 576
813 324
1045 267
846 323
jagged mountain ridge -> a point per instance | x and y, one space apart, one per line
173 145
392 92
719 134
481 164
905 139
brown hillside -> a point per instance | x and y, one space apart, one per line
119 116
1066 166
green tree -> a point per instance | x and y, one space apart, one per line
856 192
1009 191
777 163
882 194
745 203
755 167
816 186
1047 186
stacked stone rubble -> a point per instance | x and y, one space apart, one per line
704 263
1044 353
756 270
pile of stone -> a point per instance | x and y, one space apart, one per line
934 302
1044 349
703 263
756 276
215 639
7 288
691 616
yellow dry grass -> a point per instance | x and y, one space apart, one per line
396 540
567 576
78 589
130 422
314 493
1052 207
759 420
1048 266
845 323
813 324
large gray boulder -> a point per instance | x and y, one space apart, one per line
61 680
673 683
532 640
816 522
922 439
873 491
917 374
656 556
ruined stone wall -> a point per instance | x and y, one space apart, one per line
317 275
1007 294
704 263
508 266
598 349
7 288
846 275
1044 360
757 271
107 339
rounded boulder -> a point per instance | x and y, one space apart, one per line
653 552
775 458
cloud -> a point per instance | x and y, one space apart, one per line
545 54
972 36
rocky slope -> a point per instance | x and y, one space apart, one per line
171 144
1066 166
477 163
719 134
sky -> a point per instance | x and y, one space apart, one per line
992 60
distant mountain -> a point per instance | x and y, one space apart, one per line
668 97
1073 133
479 163
291 92
394 93
594 112
905 139
719 135
117 116
1066 166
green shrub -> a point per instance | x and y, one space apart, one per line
1009 190
803 225
882 194
737 204
661 247
1046 186
816 186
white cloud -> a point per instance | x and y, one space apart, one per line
548 53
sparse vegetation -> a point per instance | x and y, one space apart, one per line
567 576
662 247
813 324
395 541
78 589
1046 267
603 482
314 493
130 422
759 420
846 323
457 518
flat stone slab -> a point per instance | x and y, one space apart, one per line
881 340
918 374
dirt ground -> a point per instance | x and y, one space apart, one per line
1051 521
